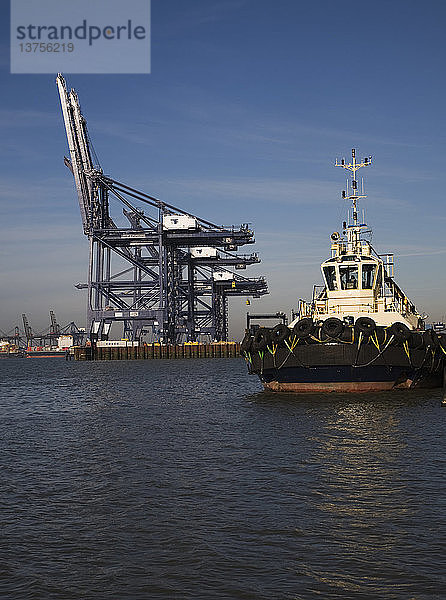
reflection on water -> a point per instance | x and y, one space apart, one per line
182 479
359 452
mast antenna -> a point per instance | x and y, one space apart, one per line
354 166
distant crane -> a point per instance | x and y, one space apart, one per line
54 326
47 337
54 330
28 331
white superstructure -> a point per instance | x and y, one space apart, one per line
358 281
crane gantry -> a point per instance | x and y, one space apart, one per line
167 272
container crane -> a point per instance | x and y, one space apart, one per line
166 271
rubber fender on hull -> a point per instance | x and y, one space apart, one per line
400 331
247 342
332 327
280 333
416 339
365 325
304 328
262 338
430 338
442 340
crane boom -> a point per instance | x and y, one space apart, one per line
54 325
28 330
78 146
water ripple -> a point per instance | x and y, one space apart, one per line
183 480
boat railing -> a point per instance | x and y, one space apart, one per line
396 300
346 308
305 309
392 303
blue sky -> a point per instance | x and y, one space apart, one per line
247 106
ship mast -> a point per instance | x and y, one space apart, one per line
354 231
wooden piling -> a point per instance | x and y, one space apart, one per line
167 351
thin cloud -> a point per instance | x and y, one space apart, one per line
423 253
192 17
18 118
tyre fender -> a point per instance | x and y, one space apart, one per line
247 342
365 325
430 338
280 333
304 328
262 338
400 331
332 327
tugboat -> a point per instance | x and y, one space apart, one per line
360 332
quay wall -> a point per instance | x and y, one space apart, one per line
158 351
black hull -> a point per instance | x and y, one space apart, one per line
344 368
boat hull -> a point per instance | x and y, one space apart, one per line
342 368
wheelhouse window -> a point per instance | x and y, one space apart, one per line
330 278
349 277
368 274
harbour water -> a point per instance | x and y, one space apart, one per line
183 480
